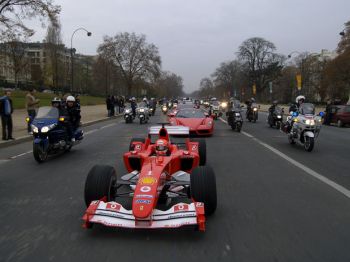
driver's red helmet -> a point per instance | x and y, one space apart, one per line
162 147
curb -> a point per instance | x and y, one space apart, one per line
27 138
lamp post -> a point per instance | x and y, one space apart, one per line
72 55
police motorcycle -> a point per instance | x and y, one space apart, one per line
234 116
143 114
128 115
50 134
215 109
306 126
164 109
252 114
275 117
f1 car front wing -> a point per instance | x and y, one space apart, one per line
113 214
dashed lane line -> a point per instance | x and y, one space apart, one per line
306 169
85 133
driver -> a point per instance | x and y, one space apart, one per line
162 147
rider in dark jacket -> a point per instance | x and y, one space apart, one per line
74 116
133 104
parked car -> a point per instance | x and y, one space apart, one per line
340 115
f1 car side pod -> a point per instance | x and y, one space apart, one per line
113 214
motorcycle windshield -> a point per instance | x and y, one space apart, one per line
307 109
278 111
254 105
47 112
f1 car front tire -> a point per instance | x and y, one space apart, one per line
203 188
202 149
100 183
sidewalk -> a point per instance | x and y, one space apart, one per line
88 114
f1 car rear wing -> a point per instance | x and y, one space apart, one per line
172 130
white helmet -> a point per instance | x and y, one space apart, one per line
70 99
299 98
133 98
144 99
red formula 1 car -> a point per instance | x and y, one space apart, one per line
200 123
168 184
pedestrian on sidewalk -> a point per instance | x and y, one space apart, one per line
121 104
112 105
117 105
6 110
31 104
108 104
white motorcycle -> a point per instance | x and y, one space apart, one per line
143 114
306 126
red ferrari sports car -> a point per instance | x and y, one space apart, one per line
168 184
199 123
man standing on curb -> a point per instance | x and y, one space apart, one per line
6 109
32 105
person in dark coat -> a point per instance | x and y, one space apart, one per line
6 110
108 104
112 106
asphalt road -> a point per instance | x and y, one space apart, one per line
269 209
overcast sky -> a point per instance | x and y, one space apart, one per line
195 36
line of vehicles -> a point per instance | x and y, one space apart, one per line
168 183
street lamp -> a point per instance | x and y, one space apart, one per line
72 54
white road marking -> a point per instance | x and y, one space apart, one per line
306 169
23 154
90 132
102 127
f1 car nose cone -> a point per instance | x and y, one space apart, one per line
145 197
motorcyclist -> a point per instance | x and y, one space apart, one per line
298 102
56 102
73 116
154 104
162 147
273 106
145 102
249 104
133 105
293 108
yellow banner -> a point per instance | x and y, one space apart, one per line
254 89
299 81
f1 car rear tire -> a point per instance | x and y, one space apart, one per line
100 183
202 149
135 139
203 188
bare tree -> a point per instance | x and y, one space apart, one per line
16 50
136 58
168 84
54 55
13 12
228 78
262 63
